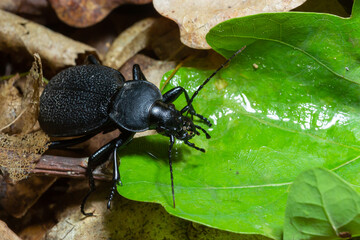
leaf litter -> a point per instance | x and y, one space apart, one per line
196 18
20 147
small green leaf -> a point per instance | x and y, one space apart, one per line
321 205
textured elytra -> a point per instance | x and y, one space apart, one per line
76 100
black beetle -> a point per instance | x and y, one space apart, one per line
88 99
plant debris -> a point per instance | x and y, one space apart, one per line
196 18
85 13
21 35
19 146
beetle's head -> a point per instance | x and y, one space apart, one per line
170 122
184 128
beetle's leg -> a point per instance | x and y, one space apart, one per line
91 59
121 141
204 131
172 140
101 156
70 142
174 93
194 146
137 73
171 95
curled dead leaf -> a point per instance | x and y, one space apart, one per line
6 232
18 152
129 42
196 18
21 112
30 101
33 7
29 191
20 35
134 39
10 99
84 13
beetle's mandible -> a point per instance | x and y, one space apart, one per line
85 100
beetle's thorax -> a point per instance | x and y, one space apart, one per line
167 120
131 105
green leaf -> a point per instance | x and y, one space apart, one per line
282 106
321 205
327 42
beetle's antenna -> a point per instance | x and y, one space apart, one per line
208 79
172 140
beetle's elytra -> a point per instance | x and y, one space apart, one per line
83 101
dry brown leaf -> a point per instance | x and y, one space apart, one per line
36 231
20 197
30 102
33 7
134 39
196 18
122 222
10 100
18 35
21 118
6 233
18 153
84 13
129 42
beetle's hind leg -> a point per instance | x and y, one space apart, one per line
101 156
121 141
98 158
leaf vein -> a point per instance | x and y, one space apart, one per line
298 49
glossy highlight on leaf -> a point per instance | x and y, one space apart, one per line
296 110
321 206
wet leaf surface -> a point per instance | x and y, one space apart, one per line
296 110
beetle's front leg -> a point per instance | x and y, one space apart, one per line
174 93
